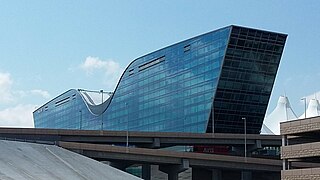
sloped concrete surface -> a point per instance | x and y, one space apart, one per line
20 160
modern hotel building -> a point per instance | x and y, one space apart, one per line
210 82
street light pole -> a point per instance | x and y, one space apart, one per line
212 120
212 116
80 124
102 111
245 137
127 144
305 107
127 134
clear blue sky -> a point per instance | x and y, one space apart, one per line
45 45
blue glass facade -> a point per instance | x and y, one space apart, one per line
176 88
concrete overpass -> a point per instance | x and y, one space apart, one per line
166 157
172 162
140 139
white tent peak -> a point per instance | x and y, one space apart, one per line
282 112
312 110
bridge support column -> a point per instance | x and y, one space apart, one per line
174 170
120 165
146 171
216 174
246 175
285 163
156 143
206 174
173 176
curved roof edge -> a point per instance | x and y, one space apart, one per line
92 108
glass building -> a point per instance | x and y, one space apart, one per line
207 83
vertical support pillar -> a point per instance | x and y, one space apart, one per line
146 171
284 140
173 176
206 174
216 174
156 143
174 170
285 164
246 175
